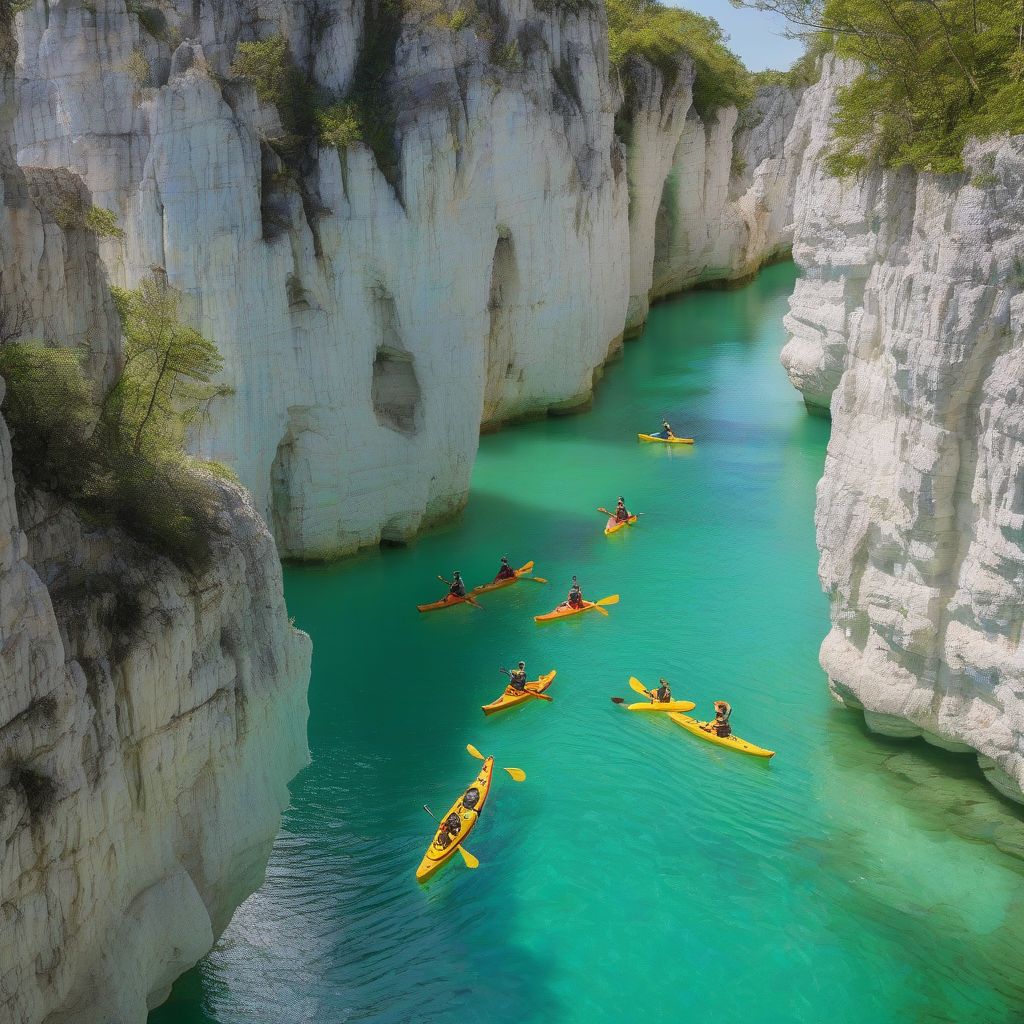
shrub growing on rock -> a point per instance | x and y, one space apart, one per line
121 457
661 35
936 72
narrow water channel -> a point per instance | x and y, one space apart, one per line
639 874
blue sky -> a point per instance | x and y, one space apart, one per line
755 37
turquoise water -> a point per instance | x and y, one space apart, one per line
638 874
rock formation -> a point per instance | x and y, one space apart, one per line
908 323
150 720
373 321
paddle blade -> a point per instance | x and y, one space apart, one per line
517 773
429 811
537 579
600 609
638 687
614 599
471 861
618 700
540 696
473 752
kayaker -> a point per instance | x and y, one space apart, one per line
450 828
575 598
666 430
621 512
517 677
458 587
663 694
470 800
720 726
506 572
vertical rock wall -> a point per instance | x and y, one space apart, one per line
495 270
149 720
908 324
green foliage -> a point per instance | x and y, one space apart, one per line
103 222
737 166
269 66
50 410
338 125
507 56
661 35
936 72
365 115
459 19
138 67
122 458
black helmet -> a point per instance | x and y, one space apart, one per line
457 573
522 664
621 498
472 798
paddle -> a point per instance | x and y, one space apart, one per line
611 515
532 693
466 598
471 861
613 599
618 700
517 773
535 579
638 687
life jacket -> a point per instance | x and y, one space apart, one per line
663 694
458 588
621 514
517 679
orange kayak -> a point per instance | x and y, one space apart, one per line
498 584
437 855
564 610
445 602
511 699
614 525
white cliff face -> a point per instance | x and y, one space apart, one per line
369 333
908 322
149 720
727 203
367 341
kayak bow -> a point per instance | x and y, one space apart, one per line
732 742
438 855
510 700
664 440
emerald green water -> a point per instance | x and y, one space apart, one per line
638 874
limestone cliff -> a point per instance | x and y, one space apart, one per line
908 323
149 719
372 322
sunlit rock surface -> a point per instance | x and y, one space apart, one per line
908 323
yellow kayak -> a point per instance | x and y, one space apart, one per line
669 705
614 525
438 854
691 725
511 699
498 584
664 440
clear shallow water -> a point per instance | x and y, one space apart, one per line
637 869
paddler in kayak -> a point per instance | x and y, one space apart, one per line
621 512
575 598
506 572
516 678
720 726
458 586
663 694
666 430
